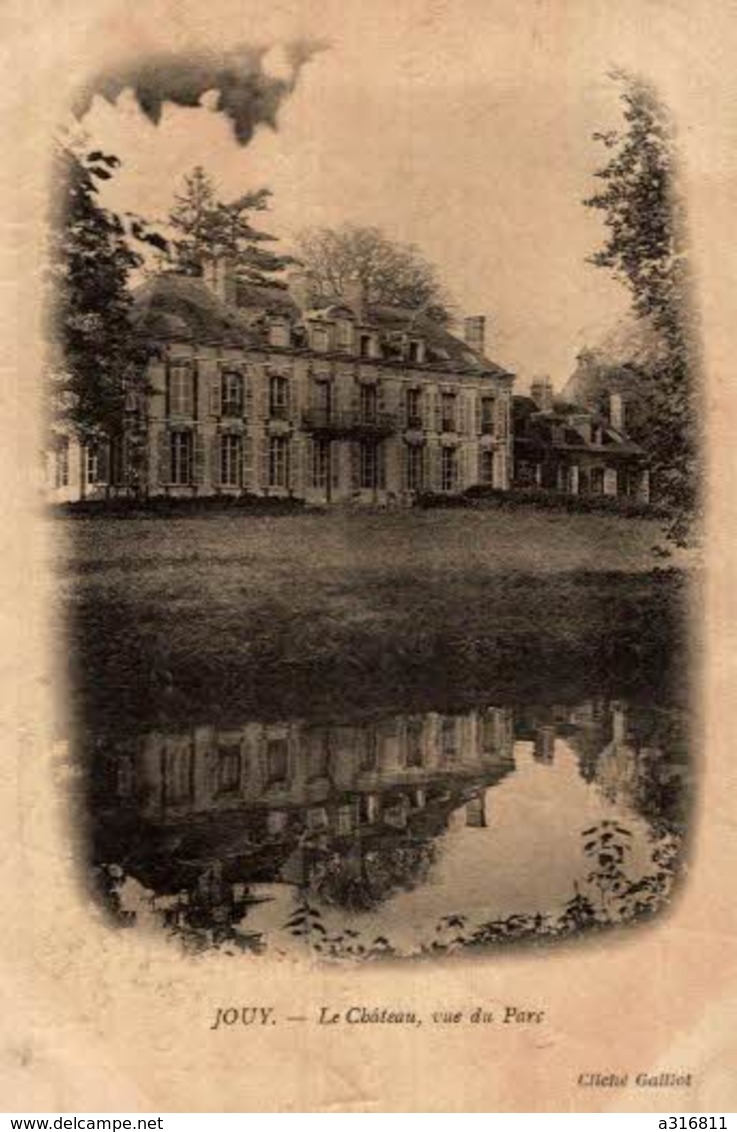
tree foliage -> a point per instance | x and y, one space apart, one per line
646 249
390 273
90 260
205 227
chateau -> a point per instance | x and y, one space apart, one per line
250 390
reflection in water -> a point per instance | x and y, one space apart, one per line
402 834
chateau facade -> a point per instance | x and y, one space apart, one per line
249 391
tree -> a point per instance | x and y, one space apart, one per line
204 226
90 262
646 249
390 273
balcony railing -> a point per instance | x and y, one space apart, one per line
345 422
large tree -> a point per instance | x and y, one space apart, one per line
390 273
91 257
646 249
203 226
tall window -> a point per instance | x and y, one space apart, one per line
231 451
320 463
448 738
366 346
369 464
448 469
448 411
229 768
231 403
414 743
487 415
502 410
181 391
415 352
415 467
320 340
368 403
61 464
486 466
279 333
414 408
278 461
180 453
345 334
277 762
278 397
92 464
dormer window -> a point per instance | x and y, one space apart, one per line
366 346
320 339
416 351
279 333
345 334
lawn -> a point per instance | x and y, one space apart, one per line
280 615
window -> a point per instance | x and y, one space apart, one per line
345 334
486 467
178 775
61 464
278 397
448 745
231 394
369 465
278 461
320 339
91 464
487 415
180 452
414 408
366 346
368 402
320 463
279 333
414 743
597 481
229 769
415 467
181 391
448 412
503 419
448 469
369 749
231 450
117 460
277 762
415 351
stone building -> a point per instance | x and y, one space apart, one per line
564 448
252 391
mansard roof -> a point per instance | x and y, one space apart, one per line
172 307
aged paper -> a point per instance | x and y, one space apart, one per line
390 909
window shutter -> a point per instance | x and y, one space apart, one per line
462 467
247 395
216 391
308 458
198 459
167 387
264 462
403 414
381 466
435 455
381 397
405 467
194 371
356 465
163 454
246 462
356 397
335 451
296 466
462 412
288 398
438 411
215 461
103 461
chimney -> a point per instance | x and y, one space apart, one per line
474 332
218 273
300 290
541 392
616 411
354 296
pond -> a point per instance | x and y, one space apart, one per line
392 832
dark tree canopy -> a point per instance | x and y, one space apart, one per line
90 258
646 249
392 273
205 227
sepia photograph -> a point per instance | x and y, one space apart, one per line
375 525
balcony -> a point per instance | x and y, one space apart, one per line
349 423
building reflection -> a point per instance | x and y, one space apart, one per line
192 824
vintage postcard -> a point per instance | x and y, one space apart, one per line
368 606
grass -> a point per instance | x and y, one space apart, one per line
283 615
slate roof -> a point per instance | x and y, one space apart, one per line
558 429
172 307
